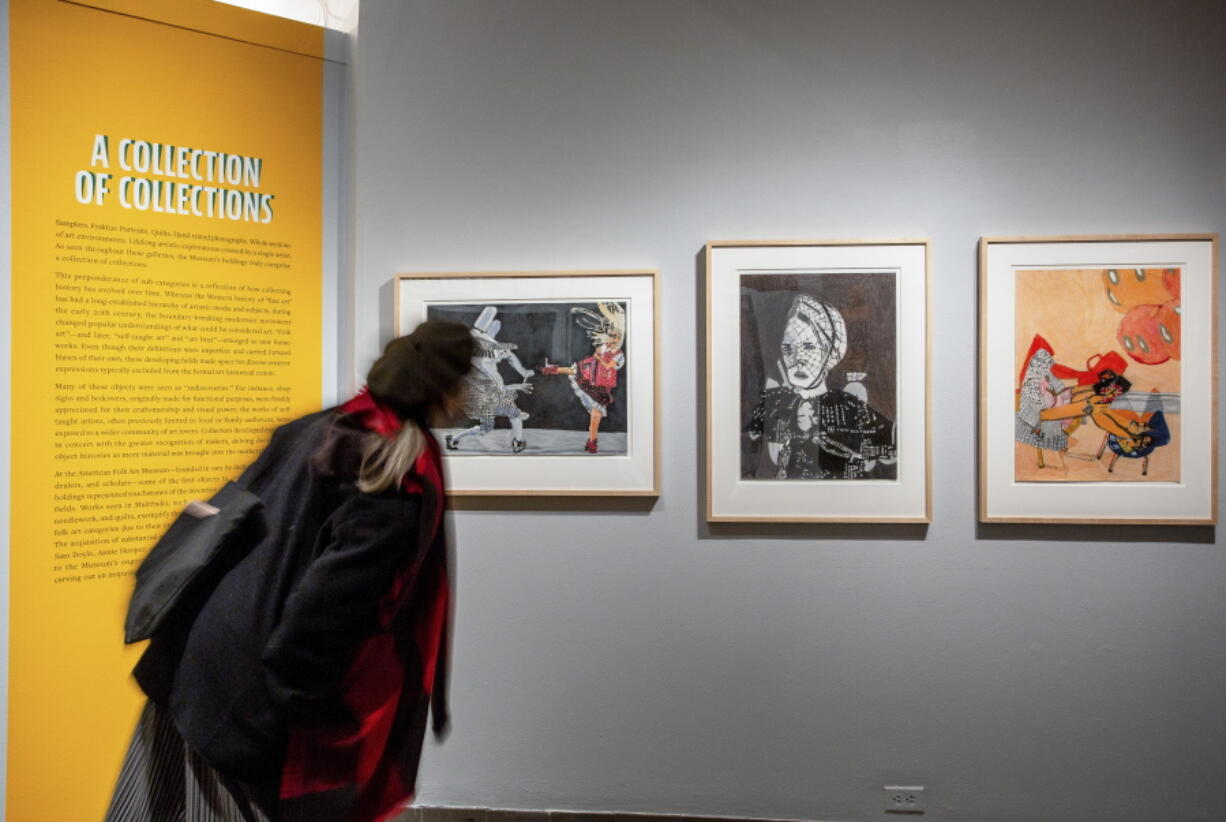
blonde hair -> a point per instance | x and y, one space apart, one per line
604 327
385 460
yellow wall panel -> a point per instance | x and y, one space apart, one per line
166 293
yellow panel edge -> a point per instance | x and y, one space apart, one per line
223 20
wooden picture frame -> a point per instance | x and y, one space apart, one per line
586 347
817 381
1098 379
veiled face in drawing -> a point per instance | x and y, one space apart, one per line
1040 363
814 341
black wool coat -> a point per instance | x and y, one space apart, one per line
268 649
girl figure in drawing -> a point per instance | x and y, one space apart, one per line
593 378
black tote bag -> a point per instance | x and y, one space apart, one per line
185 565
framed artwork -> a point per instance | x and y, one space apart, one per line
562 396
1097 380
817 381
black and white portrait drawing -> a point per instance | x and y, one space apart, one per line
818 376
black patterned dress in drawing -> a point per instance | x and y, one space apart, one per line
831 436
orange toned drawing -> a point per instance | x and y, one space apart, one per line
1092 380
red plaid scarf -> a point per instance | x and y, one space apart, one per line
369 768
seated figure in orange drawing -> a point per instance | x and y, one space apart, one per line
1094 402
1049 410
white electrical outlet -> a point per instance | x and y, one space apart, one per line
904 799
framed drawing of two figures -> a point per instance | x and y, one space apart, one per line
561 399
1098 379
817 381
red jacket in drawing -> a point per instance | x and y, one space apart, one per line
600 369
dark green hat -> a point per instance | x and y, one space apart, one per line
419 369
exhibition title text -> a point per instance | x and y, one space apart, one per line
199 182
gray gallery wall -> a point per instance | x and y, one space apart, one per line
639 660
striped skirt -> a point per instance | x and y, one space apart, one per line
163 781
